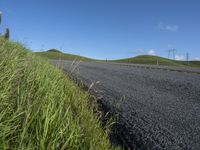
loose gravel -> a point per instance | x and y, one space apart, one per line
158 108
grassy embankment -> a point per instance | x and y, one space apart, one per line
41 108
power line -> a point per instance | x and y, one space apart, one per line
171 51
0 17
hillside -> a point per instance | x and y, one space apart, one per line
142 59
153 60
56 54
41 108
147 59
54 50
191 63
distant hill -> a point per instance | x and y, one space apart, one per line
56 54
54 50
152 60
142 59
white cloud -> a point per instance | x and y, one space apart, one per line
167 27
180 57
197 58
151 52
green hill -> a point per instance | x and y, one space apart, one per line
56 54
54 50
153 60
142 59
147 59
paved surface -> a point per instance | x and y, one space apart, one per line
159 109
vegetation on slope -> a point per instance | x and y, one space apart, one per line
41 108
191 63
153 60
142 59
56 54
54 50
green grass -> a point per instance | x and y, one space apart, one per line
142 59
195 64
54 50
152 60
56 54
41 108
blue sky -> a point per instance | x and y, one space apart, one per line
106 28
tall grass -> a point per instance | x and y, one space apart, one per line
41 108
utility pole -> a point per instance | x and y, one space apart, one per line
173 53
187 58
173 50
168 53
7 34
0 16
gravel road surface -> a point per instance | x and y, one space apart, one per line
158 108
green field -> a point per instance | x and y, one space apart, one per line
41 108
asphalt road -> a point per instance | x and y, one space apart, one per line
158 108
